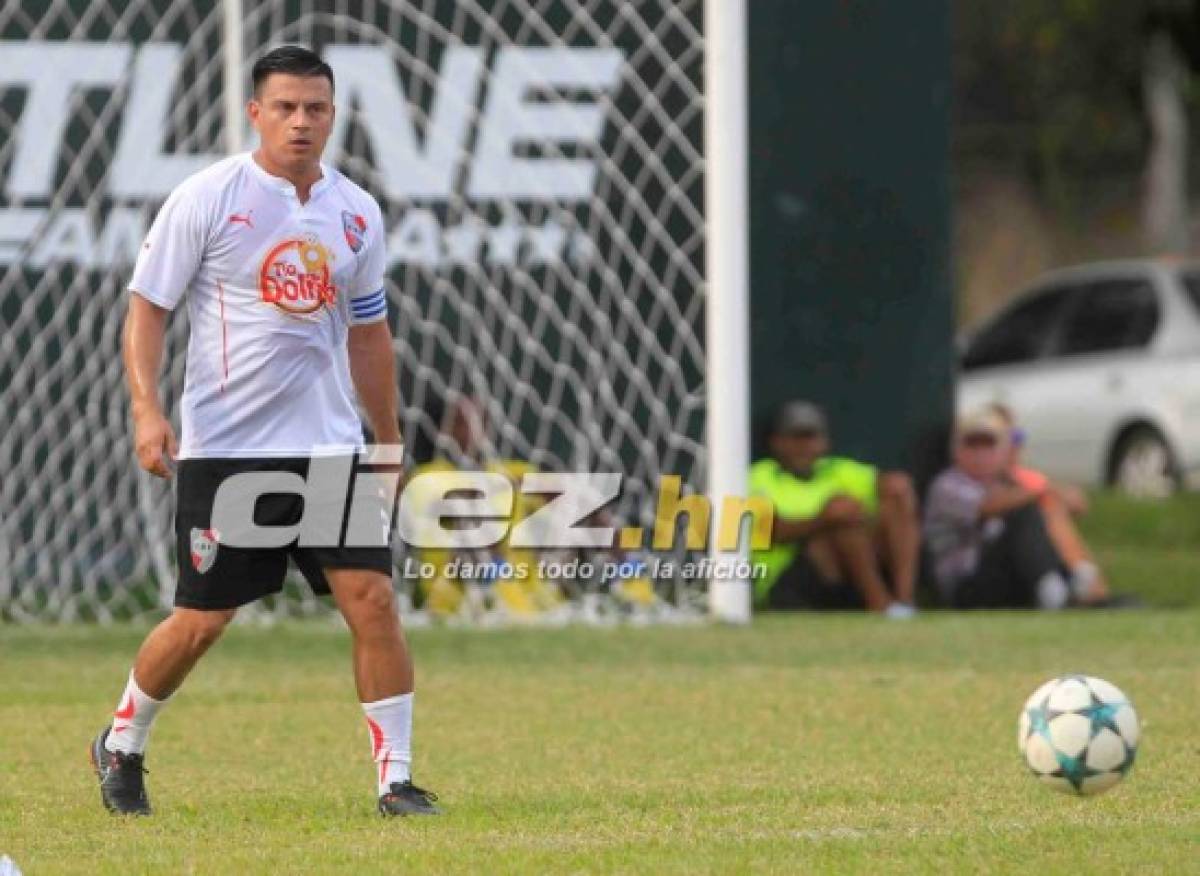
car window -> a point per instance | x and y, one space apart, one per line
1021 333
1119 314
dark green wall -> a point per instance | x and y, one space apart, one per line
850 220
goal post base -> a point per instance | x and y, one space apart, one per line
729 601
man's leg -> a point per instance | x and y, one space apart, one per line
1018 568
899 532
166 657
383 674
382 666
174 646
1069 544
209 574
848 553
805 586
1033 558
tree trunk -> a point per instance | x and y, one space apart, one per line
1164 208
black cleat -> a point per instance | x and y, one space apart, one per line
122 788
405 798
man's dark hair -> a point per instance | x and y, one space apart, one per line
293 60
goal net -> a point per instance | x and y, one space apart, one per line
540 168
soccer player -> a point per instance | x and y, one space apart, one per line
284 261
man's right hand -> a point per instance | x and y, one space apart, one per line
154 442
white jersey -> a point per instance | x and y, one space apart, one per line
275 285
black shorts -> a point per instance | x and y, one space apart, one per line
802 587
215 576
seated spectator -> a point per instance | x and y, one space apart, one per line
837 521
464 446
1060 504
987 533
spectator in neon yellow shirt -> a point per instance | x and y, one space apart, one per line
846 535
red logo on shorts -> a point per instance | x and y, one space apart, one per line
204 549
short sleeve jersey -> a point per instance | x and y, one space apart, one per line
272 288
796 498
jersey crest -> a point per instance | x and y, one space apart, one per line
204 549
353 225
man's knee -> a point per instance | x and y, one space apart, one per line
201 627
367 600
845 510
895 489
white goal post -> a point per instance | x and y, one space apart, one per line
727 213
565 188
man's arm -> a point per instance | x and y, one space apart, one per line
373 369
142 346
1003 498
1071 496
789 530
832 516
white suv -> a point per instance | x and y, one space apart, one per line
1101 364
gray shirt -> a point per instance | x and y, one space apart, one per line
954 530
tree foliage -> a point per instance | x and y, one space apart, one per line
1055 86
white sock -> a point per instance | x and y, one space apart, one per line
1083 578
390 723
1052 591
132 719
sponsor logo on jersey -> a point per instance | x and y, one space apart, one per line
295 276
204 549
354 225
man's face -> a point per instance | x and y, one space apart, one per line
798 451
293 116
981 455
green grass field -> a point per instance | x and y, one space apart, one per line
800 744
1149 548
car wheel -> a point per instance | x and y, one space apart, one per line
1144 466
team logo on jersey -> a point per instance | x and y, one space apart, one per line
204 549
354 225
295 276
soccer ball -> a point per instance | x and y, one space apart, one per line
1078 734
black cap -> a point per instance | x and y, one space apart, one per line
799 417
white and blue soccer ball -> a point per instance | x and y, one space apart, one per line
1078 734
